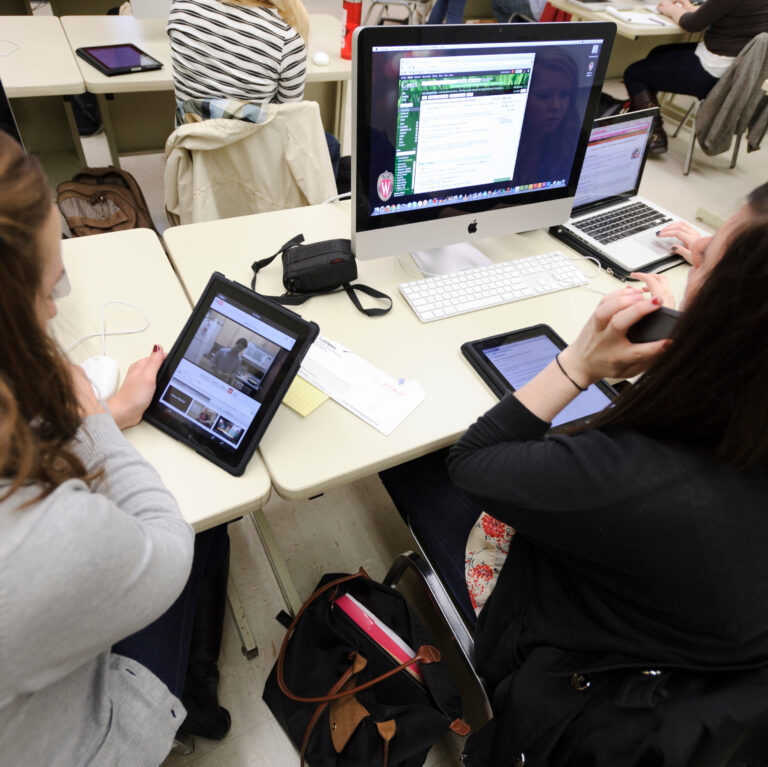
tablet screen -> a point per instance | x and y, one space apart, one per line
227 373
121 56
519 361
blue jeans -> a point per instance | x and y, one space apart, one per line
503 9
163 645
447 11
334 150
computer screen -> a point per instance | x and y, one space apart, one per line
470 131
615 157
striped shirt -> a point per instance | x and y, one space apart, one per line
220 50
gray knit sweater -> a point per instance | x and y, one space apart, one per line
80 570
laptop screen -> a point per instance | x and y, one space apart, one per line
615 157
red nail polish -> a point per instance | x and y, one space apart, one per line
155 348
656 301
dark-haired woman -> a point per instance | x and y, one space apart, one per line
640 539
96 598
692 69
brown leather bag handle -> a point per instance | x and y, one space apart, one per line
358 664
425 653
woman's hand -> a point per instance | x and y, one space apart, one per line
602 349
658 286
675 9
684 232
134 396
87 400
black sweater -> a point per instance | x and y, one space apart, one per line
730 24
625 547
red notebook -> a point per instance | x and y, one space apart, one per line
380 633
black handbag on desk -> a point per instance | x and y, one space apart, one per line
342 699
319 268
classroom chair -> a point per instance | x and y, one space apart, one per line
418 10
15 8
82 7
439 562
221 168
735 106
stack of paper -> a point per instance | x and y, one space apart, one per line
379 399
641 18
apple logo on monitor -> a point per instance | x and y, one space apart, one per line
472 228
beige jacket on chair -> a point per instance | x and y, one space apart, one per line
224 168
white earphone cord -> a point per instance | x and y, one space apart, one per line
103 332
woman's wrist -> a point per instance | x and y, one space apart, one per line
575 368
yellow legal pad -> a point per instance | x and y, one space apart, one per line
303 397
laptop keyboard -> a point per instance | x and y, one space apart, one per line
622 222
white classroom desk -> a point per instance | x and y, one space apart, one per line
633 41
39 72
305 456
138 108
132 266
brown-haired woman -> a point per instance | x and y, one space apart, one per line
640 539
92 545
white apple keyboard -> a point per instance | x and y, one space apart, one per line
435 298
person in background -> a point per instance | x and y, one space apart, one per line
447 12
640 538
692 69
249 50
102 576
504 10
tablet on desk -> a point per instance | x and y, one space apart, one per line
509 360
227 373
119 59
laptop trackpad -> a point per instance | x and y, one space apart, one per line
637 251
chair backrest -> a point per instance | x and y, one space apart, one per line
82 7
731 104
15 8
222 168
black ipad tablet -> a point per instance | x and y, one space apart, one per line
118 59
508 361
228 371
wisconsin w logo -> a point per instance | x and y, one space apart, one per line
385 185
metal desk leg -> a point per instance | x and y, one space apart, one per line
342 89
109 130
276 561
247 642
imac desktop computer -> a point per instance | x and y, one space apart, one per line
469 131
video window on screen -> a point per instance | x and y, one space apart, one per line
457 123
227 371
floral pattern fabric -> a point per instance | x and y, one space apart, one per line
486 550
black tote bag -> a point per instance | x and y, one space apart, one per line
343 700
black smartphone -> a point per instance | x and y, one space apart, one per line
654 326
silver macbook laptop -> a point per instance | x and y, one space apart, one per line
609 220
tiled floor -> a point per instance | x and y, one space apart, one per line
357 525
